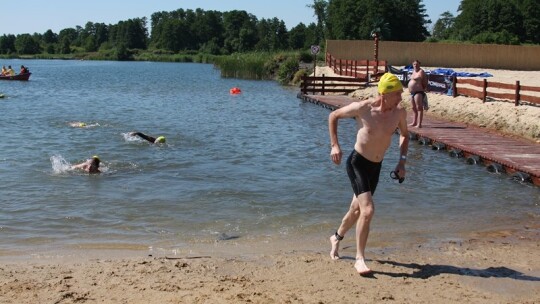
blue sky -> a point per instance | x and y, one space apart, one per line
30 16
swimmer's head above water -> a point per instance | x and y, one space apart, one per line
94 165
160 140
90 165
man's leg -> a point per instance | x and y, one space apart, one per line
415 111
367 209
419 102
350 218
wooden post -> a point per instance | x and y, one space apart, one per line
322 87
454 86
517 93
376 53
484 91
314 65
304 85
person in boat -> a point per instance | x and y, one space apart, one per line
154 140
90 165
417 87
377 119
10 71
24 70
4 71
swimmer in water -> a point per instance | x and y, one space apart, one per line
158 140
78 124
91 165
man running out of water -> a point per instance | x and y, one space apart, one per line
377 120
154 140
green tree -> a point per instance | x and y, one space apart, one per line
240 31
441 29
297 37
497 21
50 37
26 44
405 20
7 44
531 20
320 8
65 45
132 34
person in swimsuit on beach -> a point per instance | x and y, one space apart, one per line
154 140
91 165
418 87
377 120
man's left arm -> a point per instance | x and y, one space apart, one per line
425 81
403 144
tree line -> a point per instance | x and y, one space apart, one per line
222 33
491 21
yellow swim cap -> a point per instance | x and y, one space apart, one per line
389 83
82 124
96 157
160 139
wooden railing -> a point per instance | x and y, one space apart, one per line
323 85
509 91
367 70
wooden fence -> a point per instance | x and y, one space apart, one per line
367 70
323 84
509 91
448 55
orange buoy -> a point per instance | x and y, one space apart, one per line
235 91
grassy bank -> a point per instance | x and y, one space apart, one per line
283 67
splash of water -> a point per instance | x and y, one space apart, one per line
59 164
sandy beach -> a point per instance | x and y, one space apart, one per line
487 267
499 267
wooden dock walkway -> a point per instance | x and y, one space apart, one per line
515 156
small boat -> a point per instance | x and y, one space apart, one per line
23 76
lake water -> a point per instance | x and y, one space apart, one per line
248 172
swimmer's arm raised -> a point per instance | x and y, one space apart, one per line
144 136
349 111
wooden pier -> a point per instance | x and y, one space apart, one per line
517 157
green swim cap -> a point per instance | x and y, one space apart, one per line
160 139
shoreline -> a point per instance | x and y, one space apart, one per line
497 267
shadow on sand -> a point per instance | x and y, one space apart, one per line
426 271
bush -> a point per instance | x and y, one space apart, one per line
287 70
298 76
306 57
502 37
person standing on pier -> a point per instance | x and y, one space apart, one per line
417 87
377 121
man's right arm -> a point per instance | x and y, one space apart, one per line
348 111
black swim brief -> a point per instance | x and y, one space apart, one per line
363 173
418 92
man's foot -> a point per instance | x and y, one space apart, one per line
419 126
412 125
334 255
361 267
